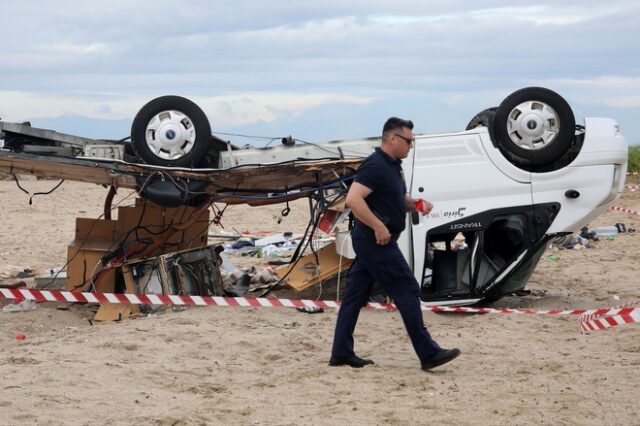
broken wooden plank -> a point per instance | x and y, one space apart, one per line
308 272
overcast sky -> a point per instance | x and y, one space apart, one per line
314 69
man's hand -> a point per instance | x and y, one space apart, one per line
383 236
355 200
418 205
423 206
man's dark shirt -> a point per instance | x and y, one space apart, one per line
383 175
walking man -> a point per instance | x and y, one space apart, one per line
379 201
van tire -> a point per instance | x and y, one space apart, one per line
171 131
533 127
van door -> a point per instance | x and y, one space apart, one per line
457 174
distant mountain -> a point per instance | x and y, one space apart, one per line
347 121
336 121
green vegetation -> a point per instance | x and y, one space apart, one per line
634 158
634 163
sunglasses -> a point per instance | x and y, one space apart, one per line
407 140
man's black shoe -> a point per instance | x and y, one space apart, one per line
353 361
442 357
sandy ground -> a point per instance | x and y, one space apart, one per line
218 365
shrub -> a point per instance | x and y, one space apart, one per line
634 158
634 162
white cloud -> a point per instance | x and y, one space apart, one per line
256 60
232 110
609 82
67 48
623 102
609 90
553 14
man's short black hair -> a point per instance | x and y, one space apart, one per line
395 123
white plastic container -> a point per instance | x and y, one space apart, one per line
606 231
343 245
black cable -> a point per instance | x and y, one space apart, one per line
111 254
281 163
84 241
306 240
315 226
282 194
15 177
269 143
340 153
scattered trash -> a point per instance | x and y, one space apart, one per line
528 293
270 251
264 276
271 240
606 231
21 336
227 265
570 242
622 228
553 258
311 310
583 241
25 273
378 298
589 235
243 242
344 244
53 279
239 281
225 234
240 288
23 305
271 246
331 218
314 268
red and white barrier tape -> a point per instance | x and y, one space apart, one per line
589 320
605 318
632 188
161 299
622 209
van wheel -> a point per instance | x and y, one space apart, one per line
171 131
534 127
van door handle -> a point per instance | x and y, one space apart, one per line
415 218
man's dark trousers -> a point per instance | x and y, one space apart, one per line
385 265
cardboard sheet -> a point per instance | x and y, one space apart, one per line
308 272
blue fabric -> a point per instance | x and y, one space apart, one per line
383 175
387 266
242 243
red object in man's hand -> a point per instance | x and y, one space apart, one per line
421 205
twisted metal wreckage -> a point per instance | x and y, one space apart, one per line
180 199
519 175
